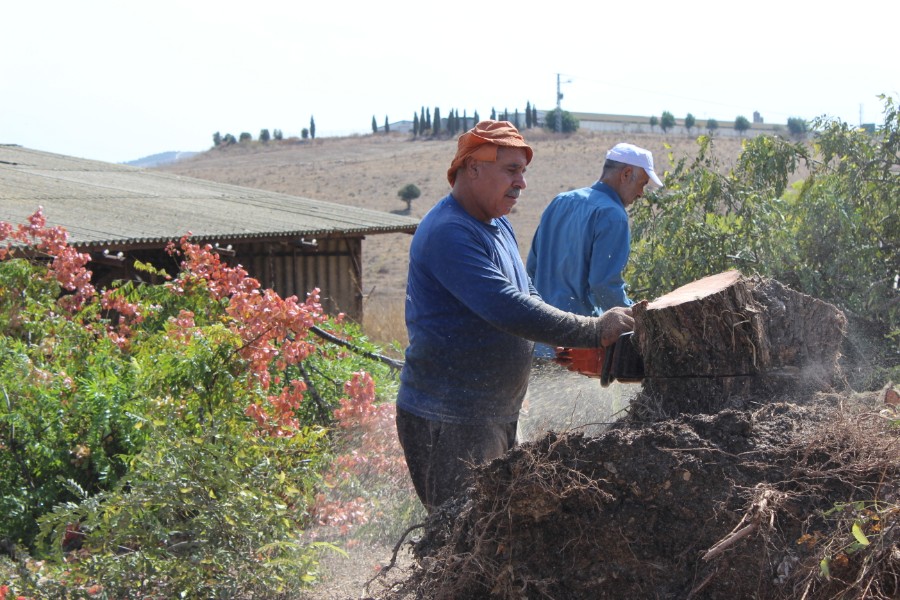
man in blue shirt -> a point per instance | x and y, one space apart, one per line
583 240
472 316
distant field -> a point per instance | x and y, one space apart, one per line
368 171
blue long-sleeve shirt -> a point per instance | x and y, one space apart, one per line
579 250
472 316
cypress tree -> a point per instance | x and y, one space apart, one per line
374 125
528 115
415 125
437 121
387 127
312 128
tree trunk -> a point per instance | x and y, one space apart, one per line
718 341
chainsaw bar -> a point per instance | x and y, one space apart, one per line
622 362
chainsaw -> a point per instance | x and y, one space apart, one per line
619 362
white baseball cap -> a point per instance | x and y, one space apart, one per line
636 157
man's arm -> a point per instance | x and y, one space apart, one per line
480 284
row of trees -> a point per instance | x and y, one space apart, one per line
264 135
797 127
424 124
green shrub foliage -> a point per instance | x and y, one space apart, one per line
171 440
834 233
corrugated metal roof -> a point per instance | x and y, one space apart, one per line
102 203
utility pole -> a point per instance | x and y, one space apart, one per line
558 106
559 97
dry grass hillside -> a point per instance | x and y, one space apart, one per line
368 171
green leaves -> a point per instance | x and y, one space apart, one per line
822 218
176 432
861 538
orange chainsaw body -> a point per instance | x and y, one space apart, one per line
619 362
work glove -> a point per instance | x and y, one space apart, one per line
613 323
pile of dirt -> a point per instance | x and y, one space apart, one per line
782 499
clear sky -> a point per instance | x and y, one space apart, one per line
117 80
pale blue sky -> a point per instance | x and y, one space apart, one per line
117 80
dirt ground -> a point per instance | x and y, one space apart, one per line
746 503
558 401
791 498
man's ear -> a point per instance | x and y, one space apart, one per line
472 166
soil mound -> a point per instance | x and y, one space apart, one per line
783 499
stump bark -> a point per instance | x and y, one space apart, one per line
720 340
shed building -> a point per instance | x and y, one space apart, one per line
119 214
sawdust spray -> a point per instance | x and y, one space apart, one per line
560 400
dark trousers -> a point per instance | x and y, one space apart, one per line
440 455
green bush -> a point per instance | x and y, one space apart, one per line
833 234
216 514
797 127
167 440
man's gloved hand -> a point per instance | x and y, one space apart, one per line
587 361
613 323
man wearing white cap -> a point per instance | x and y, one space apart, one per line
583 240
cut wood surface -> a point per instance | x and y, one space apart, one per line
697 289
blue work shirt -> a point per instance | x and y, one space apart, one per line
579 250
472 316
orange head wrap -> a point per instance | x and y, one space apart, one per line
481 142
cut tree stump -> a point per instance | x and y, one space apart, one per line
714 342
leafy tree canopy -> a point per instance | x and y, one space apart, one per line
570 123
741 124
667 121
408 193
689 122
820 219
